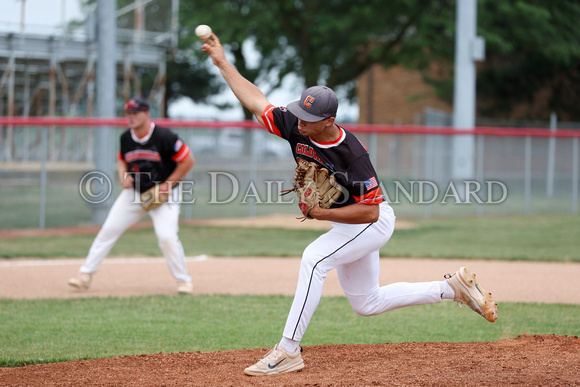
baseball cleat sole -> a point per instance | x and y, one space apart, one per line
83 282
469 292
277 361
294 368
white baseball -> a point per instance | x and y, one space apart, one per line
202 31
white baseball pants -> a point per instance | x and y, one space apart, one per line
353 250
126 212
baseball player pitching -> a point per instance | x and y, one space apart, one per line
152 161
362 222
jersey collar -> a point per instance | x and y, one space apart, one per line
144 139
331 144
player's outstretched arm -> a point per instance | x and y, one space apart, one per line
245 91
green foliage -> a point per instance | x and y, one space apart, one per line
46 331
536 27
328 43
531 45
190 78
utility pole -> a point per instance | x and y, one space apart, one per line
106 96
468 49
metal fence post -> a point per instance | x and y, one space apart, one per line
253 175
528 175
44 151
106 97
575 175
480 170
373 148
429 155
551 157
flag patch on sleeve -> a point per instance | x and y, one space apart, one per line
371 183
178 145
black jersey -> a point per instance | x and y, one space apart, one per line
152 158
346 158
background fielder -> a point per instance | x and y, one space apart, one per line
149 155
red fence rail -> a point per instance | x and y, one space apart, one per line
380 129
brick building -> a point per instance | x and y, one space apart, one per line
395 96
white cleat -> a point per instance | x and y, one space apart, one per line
277 361
82 282
185 288
468 292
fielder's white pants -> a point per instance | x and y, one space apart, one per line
353 250
126 212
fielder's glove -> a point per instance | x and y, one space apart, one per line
153 198
313 186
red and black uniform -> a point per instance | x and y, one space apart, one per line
351 249
152 158
347 158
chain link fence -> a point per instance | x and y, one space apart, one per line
239 172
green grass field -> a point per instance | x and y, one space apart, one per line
45 331
531 238
40 331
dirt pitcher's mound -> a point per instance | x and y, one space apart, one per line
526 360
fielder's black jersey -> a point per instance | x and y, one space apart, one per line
153 157
346 158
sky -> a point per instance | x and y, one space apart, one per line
48 16
40 16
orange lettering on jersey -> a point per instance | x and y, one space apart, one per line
142 154
303 149
308 101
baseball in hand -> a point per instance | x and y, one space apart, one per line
202 31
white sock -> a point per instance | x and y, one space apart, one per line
288 345
447 292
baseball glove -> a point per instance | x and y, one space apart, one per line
153 198
313 186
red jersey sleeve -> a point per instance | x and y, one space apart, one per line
181 149
372 197
268 118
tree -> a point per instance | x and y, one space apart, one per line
531 45
533 48
322 42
